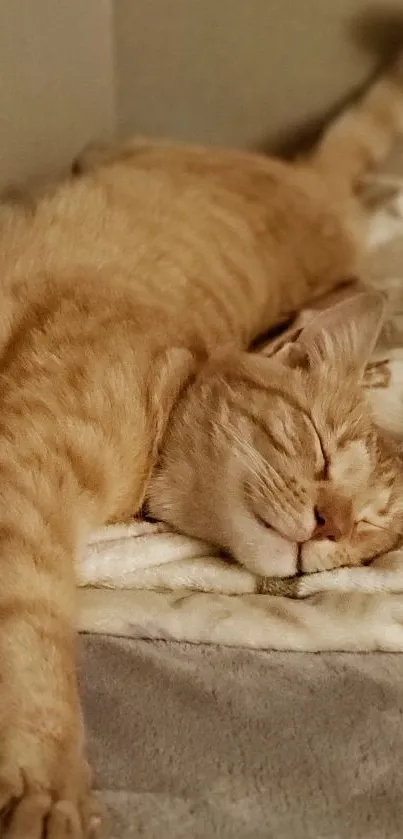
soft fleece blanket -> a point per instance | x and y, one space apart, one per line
142 581
206 742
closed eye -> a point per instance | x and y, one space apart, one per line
263 522
250 506
323 473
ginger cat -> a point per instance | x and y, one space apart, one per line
276 460
116 288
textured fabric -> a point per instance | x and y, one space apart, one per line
195 742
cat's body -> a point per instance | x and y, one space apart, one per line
158 247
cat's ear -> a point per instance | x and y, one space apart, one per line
341 337
170 372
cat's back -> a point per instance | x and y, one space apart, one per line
184 231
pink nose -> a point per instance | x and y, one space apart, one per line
329 526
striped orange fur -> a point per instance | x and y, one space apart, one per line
117 286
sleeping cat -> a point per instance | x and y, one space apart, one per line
117 288
276 460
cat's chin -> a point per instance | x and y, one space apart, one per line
284 559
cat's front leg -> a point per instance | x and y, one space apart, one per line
45 785
364 544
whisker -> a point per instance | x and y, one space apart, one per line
386 529
259 468
250 457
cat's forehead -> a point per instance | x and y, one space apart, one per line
339 408
298 402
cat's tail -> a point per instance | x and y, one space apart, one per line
360 138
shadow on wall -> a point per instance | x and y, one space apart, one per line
376 31
245 73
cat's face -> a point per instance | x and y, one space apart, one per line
315 453
279 446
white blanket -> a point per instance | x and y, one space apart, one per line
141 580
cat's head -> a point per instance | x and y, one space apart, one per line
282 444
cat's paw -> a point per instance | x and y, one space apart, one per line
322 555
38 804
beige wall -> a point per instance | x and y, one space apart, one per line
233 71
56 82
227 71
